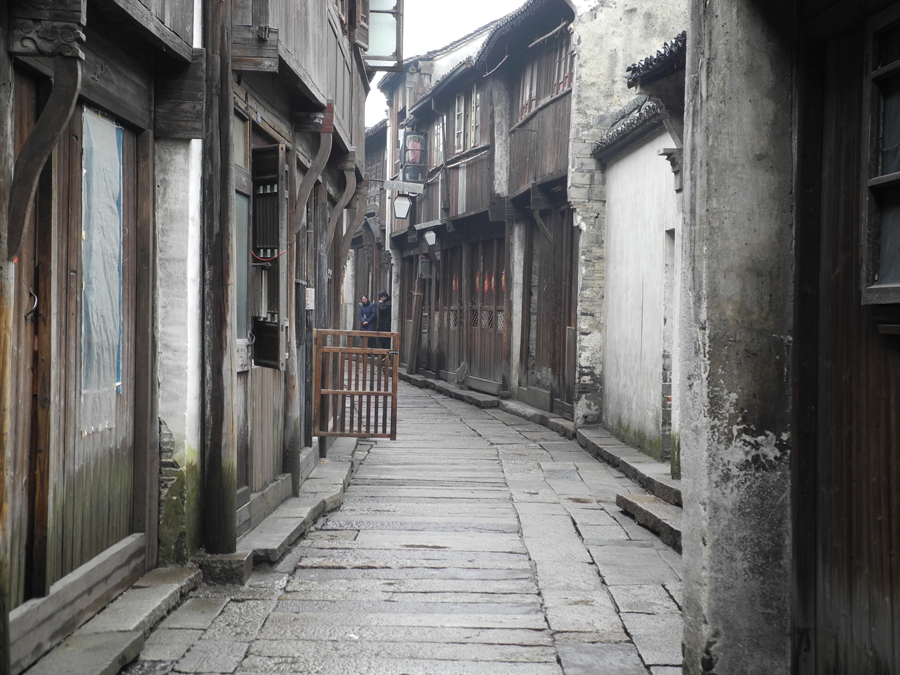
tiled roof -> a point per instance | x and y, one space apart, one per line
635 123
670 59
375 128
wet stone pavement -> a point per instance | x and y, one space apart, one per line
478 543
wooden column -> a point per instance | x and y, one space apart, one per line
219 439
7 278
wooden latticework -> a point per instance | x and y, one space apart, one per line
355 386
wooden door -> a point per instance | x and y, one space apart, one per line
846 456
450 341
486 314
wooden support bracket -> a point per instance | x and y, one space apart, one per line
39 145
322 123
542 226
362 192
349 189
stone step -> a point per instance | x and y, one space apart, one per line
322 491
115 636
657 515
655 477
469 396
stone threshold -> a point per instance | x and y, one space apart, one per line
475 398
115 636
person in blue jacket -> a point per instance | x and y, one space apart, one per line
367 315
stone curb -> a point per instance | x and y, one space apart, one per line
115 636
658 516
323 491
475 398
553 422
643 470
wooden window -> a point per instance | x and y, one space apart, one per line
460 123
475 118
528 89
565 65
437 141
243 191
881 241
359 23
385 23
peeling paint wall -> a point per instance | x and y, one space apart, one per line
608 37
736 339
179 359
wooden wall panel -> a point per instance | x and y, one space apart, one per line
539 147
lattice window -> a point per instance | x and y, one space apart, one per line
474 318
501 321
424 322
487 319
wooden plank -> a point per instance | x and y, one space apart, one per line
255 49
40 624
145 23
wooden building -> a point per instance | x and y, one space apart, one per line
173 200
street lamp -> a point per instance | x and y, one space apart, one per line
402 204
430 238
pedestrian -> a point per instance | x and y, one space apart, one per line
367 314
384 318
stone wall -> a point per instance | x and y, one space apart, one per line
608 37
736 339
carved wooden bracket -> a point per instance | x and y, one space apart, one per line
39 145
362 192
349 189
316 123
31 37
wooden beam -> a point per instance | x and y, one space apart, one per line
144 22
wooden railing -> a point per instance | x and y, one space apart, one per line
355 384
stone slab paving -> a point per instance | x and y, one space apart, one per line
478 543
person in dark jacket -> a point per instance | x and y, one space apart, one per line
384 318
367 314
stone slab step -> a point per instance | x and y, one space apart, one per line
657 515
115 636
91 654
553 422
469 396
322 491
653 476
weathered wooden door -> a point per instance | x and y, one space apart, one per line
451 311
76 423
486 314
552 354
355 387
846 446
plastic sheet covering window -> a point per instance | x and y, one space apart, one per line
101 258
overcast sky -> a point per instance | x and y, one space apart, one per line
429 24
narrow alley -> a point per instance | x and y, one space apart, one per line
477 543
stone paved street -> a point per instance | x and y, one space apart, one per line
478 543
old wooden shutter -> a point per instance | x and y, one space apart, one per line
359 32
268 245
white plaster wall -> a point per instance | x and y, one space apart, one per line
641 204
178 172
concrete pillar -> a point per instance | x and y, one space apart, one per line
736 338
179 366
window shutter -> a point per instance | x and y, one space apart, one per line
359 33
268 245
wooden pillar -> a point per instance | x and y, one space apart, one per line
219 440
7 279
